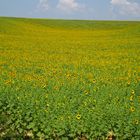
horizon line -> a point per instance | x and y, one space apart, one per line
68 19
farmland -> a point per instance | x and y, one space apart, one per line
66 79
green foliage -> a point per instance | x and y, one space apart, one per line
69 79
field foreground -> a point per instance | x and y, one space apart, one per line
69 79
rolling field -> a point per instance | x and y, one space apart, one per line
69 80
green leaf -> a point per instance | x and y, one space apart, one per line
71 135
20 130
61 133
64 138
31 125
40 135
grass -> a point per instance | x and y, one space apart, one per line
70 79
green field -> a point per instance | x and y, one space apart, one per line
69 80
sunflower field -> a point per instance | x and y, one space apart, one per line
69 79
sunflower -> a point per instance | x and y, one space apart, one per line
132 109
78 116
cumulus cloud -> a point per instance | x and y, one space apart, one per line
126 7
43 5
69 5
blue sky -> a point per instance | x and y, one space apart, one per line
72 9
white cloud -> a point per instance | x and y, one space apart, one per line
43 5
119 2
69 5
126 7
